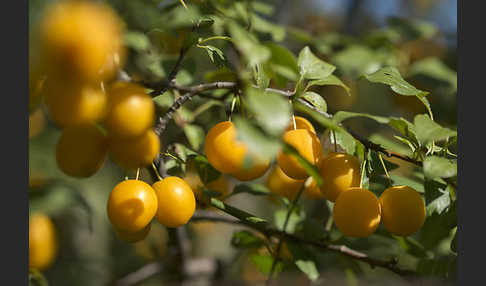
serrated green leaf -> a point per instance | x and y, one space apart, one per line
391 77
435 166
309 268
271 110
261 77
246 239
316 100
329 80
428 130
311 67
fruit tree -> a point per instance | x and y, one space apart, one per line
214 142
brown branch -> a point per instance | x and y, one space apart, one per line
391 265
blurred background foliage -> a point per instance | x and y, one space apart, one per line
418 37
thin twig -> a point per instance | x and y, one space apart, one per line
284 228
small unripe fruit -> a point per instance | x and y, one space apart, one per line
339 172
130 110
43 241
176 201
81 151
281 184
137 152
222 149
357 212
308 146
402 210
132 205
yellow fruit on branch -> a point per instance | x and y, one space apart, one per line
81 150
226 154
357 212
301 123
137 152
130 110
307 145
402 210
43 241
132 204
74 104
339 172
176 201
81 41
311 189
281 184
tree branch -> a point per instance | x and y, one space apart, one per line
265 229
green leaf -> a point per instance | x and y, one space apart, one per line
272 111
206 172
309 168
246 239
254 219
37 278
315 99
435 166
343 115
258 142
329 80
253 51
434 68
294 219
264 263
405 128
411 29
411 246
454 243
309 268
195 135
428 130
213 50
391 77
261 25
322 119
254 189
345 140
355 60
311 67
439 204
210 193
261 77
137 41
282 62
